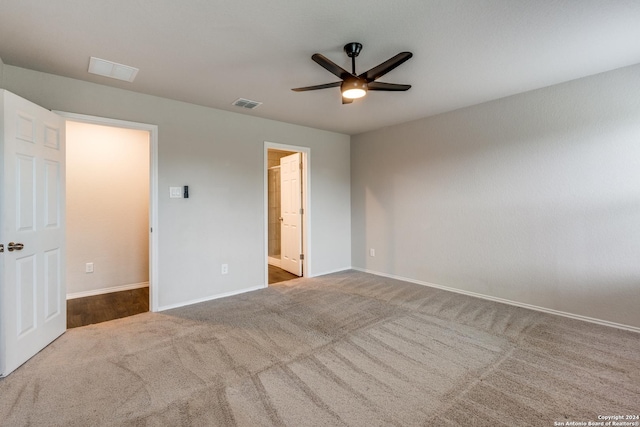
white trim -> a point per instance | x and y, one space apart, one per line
210 298
154 284
273 261
338 270
506 301
306 204
109 290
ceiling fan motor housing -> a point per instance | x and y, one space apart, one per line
352 49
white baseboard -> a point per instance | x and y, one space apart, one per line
210 298
339 270
505 301
91 293
274 261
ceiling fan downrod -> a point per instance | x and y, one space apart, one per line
352 50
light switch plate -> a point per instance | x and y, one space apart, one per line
175 192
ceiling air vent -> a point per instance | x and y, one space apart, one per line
246 103
102 67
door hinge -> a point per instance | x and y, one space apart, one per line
301 257
301 211
1 248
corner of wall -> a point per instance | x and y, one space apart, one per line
1 69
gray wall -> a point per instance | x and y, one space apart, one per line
533 198
220 155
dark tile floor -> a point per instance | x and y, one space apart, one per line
100 308
276 274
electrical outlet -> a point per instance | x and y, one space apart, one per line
88 267
372 252
224 269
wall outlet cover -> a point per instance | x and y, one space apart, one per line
175 192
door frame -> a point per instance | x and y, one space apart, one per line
153 189
306 203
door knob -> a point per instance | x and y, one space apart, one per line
14 246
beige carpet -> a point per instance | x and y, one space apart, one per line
344 349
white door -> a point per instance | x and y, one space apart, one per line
291 214
33 309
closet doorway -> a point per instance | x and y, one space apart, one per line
109 220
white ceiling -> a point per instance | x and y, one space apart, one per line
213 52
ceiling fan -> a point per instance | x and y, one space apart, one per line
354 86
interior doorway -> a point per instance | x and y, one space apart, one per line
286 207
111 216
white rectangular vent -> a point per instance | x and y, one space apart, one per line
102 67
246 103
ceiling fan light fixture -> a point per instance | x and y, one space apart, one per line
353 88
352 85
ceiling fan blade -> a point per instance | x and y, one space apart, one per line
388 65
331 66
346 100
388 86
316 87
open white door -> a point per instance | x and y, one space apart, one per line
291 214
33 309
